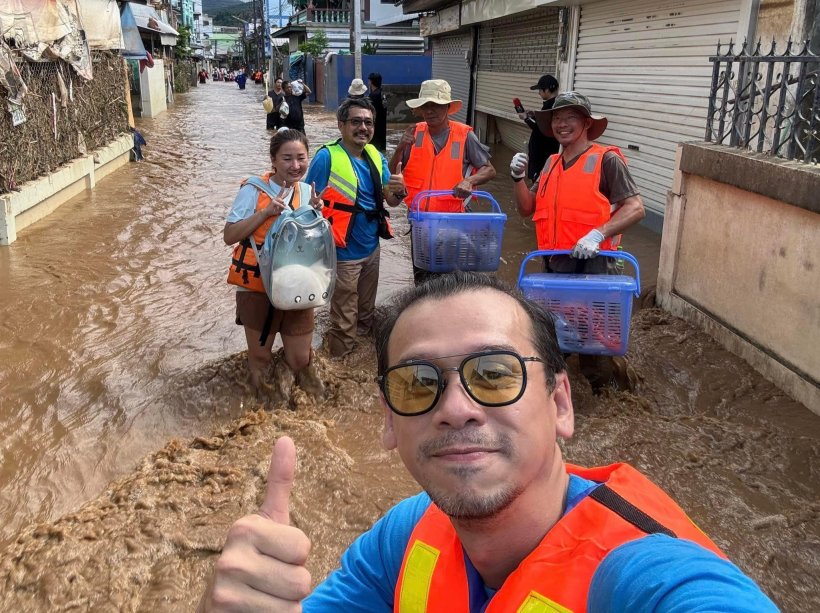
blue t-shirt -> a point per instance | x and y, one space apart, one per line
364 236
655 573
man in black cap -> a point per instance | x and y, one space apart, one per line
540 146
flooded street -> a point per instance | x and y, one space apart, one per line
128 442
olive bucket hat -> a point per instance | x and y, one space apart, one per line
571 100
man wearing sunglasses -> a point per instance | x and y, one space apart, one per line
476 398
352 176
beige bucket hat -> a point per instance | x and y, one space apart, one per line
574 100
357 88
436 91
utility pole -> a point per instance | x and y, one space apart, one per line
356 19
255 32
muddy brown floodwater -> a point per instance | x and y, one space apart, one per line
129 444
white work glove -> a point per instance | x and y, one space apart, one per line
518 166
588 246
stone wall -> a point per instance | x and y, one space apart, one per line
739 257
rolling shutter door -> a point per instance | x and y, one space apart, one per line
450 62
647 69
513 52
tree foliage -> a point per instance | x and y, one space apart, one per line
315 45
182 51
369 47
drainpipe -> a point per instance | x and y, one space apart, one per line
472 60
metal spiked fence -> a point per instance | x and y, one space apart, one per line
769 103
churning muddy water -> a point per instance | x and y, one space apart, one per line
130 443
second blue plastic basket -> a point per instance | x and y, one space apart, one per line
443 242
591 312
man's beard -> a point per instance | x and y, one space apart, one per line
472 507
462 505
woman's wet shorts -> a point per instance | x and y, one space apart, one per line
252 309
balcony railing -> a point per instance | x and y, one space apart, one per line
323 16
766 102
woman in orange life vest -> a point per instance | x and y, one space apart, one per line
251 216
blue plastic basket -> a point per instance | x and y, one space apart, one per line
591 312
443 242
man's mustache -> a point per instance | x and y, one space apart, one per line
466 438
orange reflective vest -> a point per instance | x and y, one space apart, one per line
427 171
340 196
555 577
569 203
244 270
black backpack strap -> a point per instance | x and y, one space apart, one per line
263 336
381 213
619 505
378 192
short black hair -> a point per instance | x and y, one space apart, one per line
343 112
375 78
451 284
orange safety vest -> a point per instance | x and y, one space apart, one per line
569 203
340 196
244 270
555 577
427 171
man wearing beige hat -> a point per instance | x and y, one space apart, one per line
357 89
440 154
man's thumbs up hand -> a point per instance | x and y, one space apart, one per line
262 563
396 186
276 505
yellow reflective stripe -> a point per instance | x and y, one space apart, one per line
342 176
343 186
417 577
538 603
376 157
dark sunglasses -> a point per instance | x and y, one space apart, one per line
357 123
494 378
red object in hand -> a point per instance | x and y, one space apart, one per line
519 108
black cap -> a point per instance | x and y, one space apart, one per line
547 82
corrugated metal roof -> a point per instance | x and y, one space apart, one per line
148 19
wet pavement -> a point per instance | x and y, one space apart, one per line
126 442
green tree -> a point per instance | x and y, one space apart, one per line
368 47
183 49
316 45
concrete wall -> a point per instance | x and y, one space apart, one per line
36 199
152 90
739 257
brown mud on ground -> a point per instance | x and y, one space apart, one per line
699 423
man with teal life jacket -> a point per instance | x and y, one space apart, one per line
476 399
353 180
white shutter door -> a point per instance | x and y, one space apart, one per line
645 66
450 63
513 53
